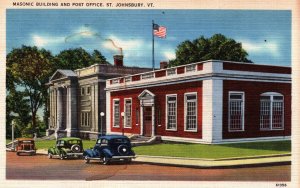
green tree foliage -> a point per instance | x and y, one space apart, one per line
28 70
78 58
217 47
98 58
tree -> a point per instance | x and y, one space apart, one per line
73 59
217 47
28 70
98 58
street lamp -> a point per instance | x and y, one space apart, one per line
123 114
101 115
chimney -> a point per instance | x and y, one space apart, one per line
163 65
118 60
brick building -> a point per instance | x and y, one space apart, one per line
77 98
205 102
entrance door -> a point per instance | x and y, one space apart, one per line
147 120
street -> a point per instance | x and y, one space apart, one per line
39 167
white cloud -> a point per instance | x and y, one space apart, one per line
262 47
129 47
43 41
169 54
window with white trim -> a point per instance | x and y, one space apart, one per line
116 113
236 111
85 119
171 112
190 111
128 113
271 111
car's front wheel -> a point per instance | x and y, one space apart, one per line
86 159
105 160
62 156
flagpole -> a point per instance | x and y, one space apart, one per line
152 45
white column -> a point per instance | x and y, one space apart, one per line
212 110
141 119
71 110
108 110
59 108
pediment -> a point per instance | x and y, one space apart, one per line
146 94
59 74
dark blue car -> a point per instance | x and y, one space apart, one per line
110 148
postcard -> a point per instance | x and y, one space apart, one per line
149 93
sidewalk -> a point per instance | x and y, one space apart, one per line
209 163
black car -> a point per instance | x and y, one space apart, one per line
110 148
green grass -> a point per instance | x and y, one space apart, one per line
215 151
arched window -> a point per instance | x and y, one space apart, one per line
271 111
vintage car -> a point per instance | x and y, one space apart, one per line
25 145
66 148
110 148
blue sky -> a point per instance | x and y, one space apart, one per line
266 35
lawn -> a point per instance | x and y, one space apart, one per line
197 150
215 151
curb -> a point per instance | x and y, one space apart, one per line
235 162
219 159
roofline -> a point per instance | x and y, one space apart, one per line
206 61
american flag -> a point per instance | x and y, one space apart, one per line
159 31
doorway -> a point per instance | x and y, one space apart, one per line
147 112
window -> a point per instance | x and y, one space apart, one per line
85 119
116 113
171 112
82 91
236 111
127 120
88 90
190 107
271 111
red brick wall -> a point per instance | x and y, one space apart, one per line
180 70
160 104
256 68
200 67
160 73
252 108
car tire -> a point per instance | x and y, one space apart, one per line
86 159
76 148
50 155
105 160
62 157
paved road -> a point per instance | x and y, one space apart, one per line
39 167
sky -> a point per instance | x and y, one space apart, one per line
265 35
